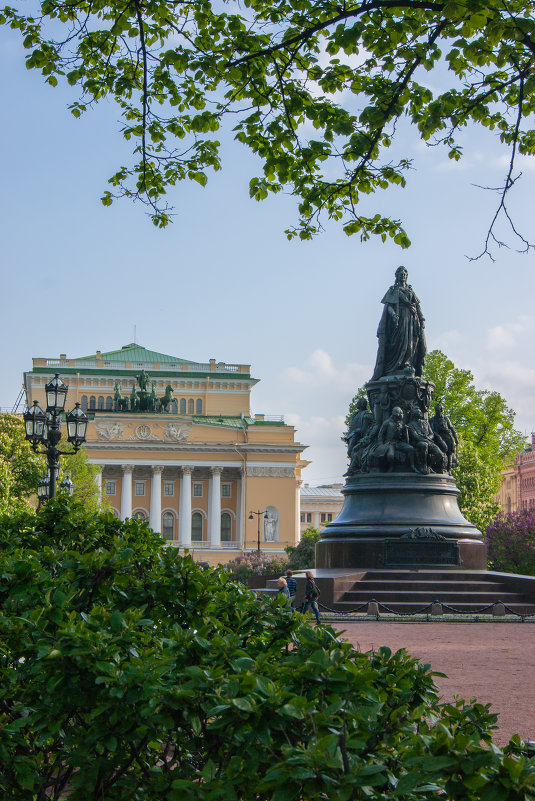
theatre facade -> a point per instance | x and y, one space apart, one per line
178 447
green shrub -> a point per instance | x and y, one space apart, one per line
510 541
303 555
130 673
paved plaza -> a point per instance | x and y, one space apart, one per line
491 662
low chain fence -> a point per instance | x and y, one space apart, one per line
433 609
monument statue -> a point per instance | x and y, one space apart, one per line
443 428
143 380
399 476
401 336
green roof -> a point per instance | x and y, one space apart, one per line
234 422
136 353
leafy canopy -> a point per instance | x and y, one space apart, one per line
303 555
315 89
131 673
510 542
20 467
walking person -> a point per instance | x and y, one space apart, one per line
311 596
292 586
283 590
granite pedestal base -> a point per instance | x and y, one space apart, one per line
383 521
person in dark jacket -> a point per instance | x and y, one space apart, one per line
311 596
291 584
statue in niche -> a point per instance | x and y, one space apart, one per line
393 444
357 435
430 449
401 335
443 428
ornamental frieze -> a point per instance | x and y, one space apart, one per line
271 472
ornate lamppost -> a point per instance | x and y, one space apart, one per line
259 514
44 428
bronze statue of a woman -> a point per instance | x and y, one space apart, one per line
401 335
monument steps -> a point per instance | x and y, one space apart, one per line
410 591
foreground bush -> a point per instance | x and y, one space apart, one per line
510 541
129 673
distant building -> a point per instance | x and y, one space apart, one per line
320 505
517 490
193 466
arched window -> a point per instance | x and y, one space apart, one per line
84 403
168 525
182 405
139 515
191 407
109 403
226 527
101 403
198 406
174 406
196 527
271 524
92 402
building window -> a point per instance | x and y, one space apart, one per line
225 490
182 405
191 406
174 406
329 517
196 527
168 488
309 517
139 515
302 517
226 527
198 406
168 525
323 516
101 403
139 487
197 490
109 403
84 403
92 402
110 487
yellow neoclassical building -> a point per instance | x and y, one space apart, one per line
177 446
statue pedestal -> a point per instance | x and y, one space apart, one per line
376 527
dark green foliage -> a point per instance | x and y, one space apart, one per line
130 673
303 555
20 467
315 89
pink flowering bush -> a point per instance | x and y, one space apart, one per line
256 564
510 541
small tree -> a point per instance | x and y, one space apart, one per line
303 555
511 542
20 467
83 474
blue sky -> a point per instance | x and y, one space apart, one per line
223 281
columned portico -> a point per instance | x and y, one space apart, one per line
156 499
126 491
184 517
214 517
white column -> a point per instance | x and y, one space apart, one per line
98 482
297 512
126 491
155 520
184 513
239 508
214 515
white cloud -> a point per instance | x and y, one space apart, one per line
506 336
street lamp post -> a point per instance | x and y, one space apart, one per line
259 515
44 428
